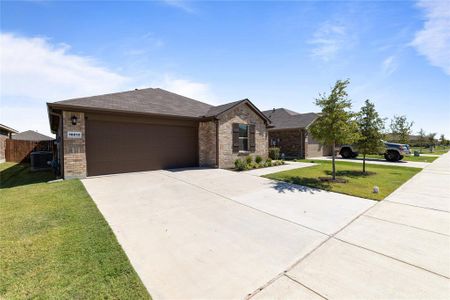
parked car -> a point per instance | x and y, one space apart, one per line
393 151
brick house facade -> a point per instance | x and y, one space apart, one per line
216 137
290 133
153 129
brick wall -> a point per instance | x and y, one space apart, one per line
207 144
245 115
290 142
74 148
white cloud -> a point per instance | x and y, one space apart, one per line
35 71
195 90
34 68
181 4
389 65
433 40
328 40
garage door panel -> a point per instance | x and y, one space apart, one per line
116 147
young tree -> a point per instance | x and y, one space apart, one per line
336 123
401 128
422 138
431 140
442 139
370 127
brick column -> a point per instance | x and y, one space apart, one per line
207 144
74 146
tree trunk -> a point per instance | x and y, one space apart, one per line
364 163
333 162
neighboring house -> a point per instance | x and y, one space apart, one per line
290 133
31 135
5 133
150 129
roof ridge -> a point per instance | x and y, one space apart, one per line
101 95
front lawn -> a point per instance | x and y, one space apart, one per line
428 159
387 178
439 150
54 243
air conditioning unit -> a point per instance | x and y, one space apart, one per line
41 160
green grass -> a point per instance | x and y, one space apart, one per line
54 243
439 150
387 178
428 159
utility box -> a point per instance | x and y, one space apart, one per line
41 160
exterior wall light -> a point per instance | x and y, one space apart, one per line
74 120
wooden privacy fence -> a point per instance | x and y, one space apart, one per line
19 151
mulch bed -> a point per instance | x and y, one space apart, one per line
329 179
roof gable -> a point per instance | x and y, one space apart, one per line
219 110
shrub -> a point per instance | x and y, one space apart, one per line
268 162
249 159
258 159
274 153
240 165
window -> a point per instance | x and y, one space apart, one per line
243 137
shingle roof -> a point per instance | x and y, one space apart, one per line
217 110
282 118
31 135
150 100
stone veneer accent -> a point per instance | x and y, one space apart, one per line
245 115
74 148
207 144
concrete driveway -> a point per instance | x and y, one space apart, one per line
216 234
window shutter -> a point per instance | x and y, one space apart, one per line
251 138
235 143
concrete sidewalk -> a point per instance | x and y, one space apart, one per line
397 249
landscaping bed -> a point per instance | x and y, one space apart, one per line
387 178
54 243
248 163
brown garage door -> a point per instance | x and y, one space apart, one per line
118 147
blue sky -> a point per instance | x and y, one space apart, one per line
277 54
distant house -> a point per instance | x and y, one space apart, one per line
31 135
5 133
290 133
